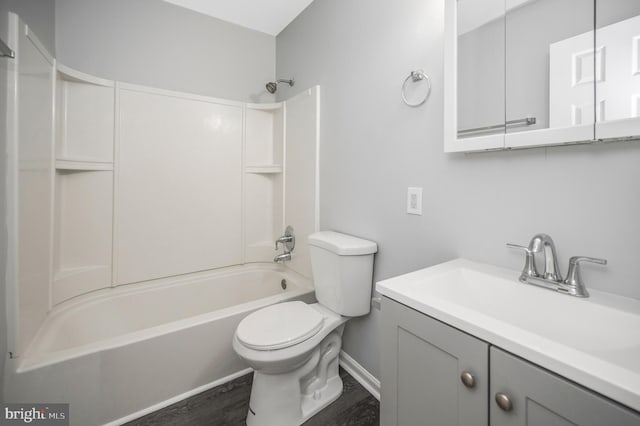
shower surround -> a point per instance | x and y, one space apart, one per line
119 194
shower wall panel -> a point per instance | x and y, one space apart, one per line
29 184
301 173
179 184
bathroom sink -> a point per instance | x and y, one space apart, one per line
593 341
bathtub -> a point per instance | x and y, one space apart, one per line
120 353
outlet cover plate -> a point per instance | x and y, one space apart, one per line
414 200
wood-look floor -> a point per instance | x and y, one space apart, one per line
227 404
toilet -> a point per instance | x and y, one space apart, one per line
293 347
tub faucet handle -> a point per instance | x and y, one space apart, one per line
288 240
284 239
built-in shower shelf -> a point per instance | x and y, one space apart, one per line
264 179
69 74
82 165
264 169
266 107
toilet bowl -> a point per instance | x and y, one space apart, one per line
293 347
299 376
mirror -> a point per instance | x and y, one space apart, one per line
481 67
617 42
549 76
523 73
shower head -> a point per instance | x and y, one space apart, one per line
272 86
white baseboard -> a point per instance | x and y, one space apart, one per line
178 398
362 376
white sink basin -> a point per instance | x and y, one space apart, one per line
593 341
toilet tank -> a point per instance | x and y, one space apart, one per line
342 269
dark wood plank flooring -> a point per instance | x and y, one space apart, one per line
227 404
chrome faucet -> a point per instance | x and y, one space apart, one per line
551 278
288 241
551 269
574 283
282 257
284 240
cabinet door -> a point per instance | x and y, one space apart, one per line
618 71
540 398
422 363
549 72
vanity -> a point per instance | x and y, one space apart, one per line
465 343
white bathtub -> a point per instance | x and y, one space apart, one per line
119 353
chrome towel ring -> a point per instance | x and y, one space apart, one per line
415 77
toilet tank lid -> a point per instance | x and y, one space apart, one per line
342 244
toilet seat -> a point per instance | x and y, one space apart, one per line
279 326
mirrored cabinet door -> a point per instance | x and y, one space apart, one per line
475 70
617 41
549 72
527 73
481 68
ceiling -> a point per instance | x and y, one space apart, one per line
267 16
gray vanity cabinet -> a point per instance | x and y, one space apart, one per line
540 398
423 361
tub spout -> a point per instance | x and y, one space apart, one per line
282 257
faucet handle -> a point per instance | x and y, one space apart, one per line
575 260
574 280
519 247
284 240
529 269
288 239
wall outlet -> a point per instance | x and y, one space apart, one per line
414 200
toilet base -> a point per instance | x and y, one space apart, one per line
291 398
312 404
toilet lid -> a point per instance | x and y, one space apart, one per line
279 326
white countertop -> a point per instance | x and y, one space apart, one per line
593 341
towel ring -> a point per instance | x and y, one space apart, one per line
414 77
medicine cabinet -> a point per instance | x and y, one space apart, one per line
527 73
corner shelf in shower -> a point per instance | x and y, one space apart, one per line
82 165
266 106
264 169
263 183
83 208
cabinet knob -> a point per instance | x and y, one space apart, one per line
503 401
468 379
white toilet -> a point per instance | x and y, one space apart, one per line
293 347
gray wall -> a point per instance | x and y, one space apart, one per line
39 15
374 147
158 44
